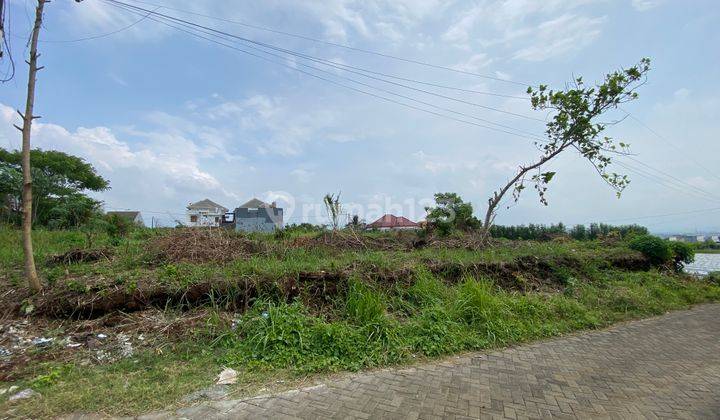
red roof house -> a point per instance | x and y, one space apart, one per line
391 222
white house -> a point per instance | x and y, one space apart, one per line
132 216
205 213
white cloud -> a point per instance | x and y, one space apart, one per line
503 76
474 63
117 79
644 5
559 36
439 164
162 165
301 175
274 127
681 93
459 32
531 28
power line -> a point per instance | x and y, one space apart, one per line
670 176
673 220
516 132
665 183
531 135
334 44
661 137
87 38
664 215
4 32
341 66
345 67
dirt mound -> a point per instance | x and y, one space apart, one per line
524 274
204 245
630 261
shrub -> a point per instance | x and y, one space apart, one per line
117 227
451 213
683 253
656 250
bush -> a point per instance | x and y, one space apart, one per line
117 227
451 214
683 253
656 250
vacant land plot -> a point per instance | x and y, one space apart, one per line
141 323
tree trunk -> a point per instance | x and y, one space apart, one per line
27 204
497 197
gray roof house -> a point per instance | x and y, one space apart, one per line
133 216
258 216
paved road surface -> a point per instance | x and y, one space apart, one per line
665 367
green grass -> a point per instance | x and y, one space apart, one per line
371 322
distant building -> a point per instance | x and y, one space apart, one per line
392 222
257 216
205 213
132 216
694 238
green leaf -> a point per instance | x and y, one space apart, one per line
547 176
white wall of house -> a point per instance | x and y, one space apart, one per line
209 217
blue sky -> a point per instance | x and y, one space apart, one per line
170 119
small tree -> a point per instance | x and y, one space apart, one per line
26 129
333 209
59 184
574 127
451 213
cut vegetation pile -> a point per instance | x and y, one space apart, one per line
203 245
176 306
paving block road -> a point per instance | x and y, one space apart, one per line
666 367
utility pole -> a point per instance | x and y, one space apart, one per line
2 26
28 117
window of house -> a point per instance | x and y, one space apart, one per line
217 219
193 218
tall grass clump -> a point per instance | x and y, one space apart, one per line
476 302
363 305
427 288
286 336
